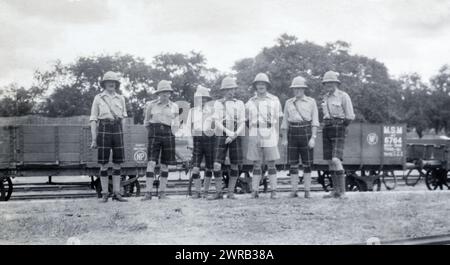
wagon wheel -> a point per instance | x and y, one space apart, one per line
2 190
324 179
129 185
436 178
243 183
389 179
377 185
413 182
354 184
6 188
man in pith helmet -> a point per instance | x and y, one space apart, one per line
107 114
299 127
161 121
337 114
263 113
199 125
229 119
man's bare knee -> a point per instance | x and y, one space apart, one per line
234 167
151 165
164 167
335 161
195 170
217 166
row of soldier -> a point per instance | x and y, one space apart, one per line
216 127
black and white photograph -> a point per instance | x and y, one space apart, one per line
221 123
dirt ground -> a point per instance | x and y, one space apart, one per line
178 220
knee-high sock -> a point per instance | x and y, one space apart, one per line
197 183
218 180
307 181
232 181
116 181
340 175
150 178
116 184
273 178
104 181
294 178
256 178
163 181
335 181
208 176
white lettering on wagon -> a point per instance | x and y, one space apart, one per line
393 141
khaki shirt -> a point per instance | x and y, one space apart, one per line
230 111
101 111
262 110
156 112
338 105
200 119
300 110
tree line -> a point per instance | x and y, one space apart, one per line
68 89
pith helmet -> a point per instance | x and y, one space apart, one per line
110 76
228 83
164 86
330 76
299 82
202 92
261 77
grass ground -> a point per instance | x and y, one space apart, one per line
178 220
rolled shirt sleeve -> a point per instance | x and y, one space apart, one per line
315 114
242 116
176 115
284 123
146 114
94 110
277 111
188 128
348 107
124 106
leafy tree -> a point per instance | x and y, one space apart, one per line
18 101
367 81
416 102
440 107
75 85
185 71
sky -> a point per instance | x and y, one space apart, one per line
406 35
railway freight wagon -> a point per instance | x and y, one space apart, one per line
372 152
430 158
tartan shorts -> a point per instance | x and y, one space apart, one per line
234 149
298 139
333 140
161 141
203 147
110 137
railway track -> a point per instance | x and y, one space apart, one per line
93 194
75 190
